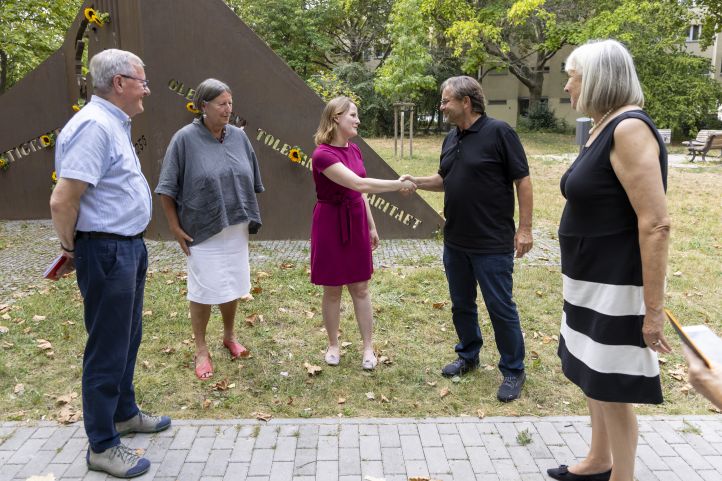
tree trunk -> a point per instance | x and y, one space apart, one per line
535 89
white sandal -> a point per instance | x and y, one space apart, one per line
369 363
332 359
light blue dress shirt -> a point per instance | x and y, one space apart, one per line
95 146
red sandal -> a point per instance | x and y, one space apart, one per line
236 349
204 369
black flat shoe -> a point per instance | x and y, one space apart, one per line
562 474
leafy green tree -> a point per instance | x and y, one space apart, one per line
679 91
403 76
521 35
30 31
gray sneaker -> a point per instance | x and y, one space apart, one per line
119 461
143 423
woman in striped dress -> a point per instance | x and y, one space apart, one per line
614 236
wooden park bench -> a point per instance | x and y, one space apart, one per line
706 140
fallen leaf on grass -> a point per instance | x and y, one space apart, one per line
44 345
677 274
68 414
384 399
678 373
145 364
261 416
310 314
65 399
444 392
147 313
534 355
480 414
256 290
253 318
370 396
385 360
39 318
174 314
207 403
221 385
431 383
288 265
346 344
4 330
6 316
19 389
488 367
168 350
438 305
312 369
341 400
262 274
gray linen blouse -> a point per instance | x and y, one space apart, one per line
214 184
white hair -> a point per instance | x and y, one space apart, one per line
107 64
608 77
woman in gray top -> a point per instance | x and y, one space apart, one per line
208 186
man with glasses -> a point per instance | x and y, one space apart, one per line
482 160
100 209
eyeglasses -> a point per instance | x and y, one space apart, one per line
141 80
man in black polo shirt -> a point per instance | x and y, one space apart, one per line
482 160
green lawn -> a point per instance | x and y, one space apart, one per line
413 330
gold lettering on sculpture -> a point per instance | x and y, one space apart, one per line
374 200
24 149
190 94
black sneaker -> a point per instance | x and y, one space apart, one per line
458 368
510 388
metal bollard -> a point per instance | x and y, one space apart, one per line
583 126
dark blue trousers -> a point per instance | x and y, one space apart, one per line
111 277
493 273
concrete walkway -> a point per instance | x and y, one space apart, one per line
671 448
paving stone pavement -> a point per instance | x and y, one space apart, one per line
32 244
671 448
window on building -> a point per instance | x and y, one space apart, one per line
524 105
694 32
564 67
497 102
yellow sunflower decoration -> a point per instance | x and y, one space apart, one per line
295 155
95 17
191 108
76 108
54 176
4 164
46 141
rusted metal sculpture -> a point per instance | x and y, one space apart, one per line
183 42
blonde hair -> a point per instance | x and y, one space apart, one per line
608 77
327 127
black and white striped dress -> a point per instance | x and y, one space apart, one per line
601 345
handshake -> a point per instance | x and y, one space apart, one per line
408 185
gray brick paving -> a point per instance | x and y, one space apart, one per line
455 449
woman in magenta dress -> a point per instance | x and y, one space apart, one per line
343 232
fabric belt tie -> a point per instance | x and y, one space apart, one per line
106 235
344 214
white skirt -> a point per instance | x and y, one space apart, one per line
218 270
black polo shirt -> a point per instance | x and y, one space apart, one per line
479 166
